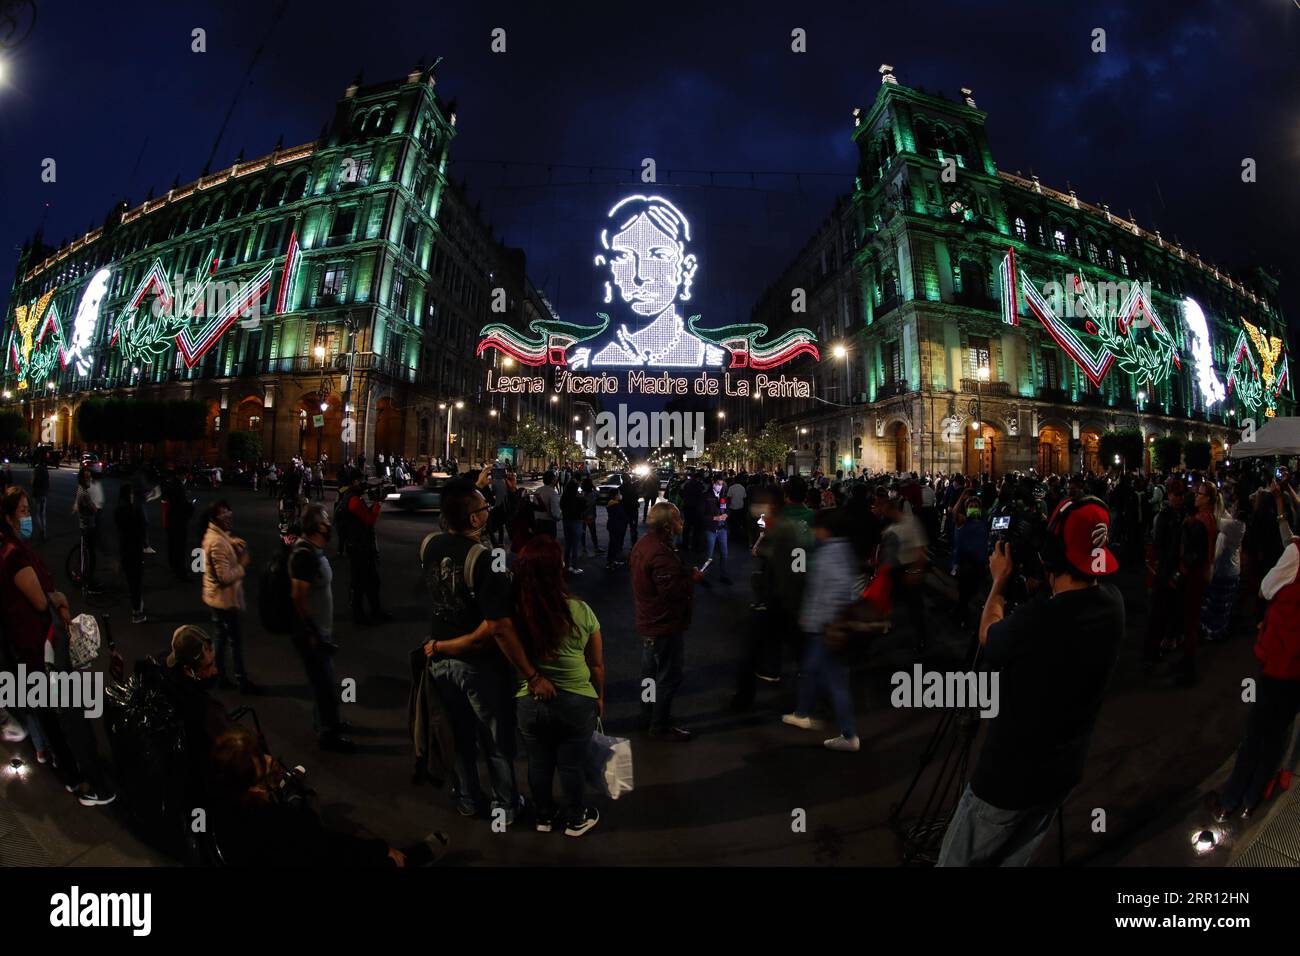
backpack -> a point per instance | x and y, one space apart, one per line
443 580
274 592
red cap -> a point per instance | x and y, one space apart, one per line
1086 535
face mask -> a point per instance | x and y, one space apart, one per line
25 526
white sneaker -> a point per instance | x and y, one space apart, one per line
11 731
803 723
847 744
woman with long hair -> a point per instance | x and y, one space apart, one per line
562 637
32 609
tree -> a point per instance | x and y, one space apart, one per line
1166 453
245 446
1125 442
1197 455
11 423
771 446
529 436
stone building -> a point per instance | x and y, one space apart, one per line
326 297
976 320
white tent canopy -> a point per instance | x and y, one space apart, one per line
1277 436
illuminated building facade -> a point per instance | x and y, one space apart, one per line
975 320
326 297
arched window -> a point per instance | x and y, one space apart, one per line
254 200
275 195
1022 233
1123 263
297 186
1059 240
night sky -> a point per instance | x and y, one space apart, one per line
1159 124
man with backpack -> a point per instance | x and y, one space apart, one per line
312 592
472 648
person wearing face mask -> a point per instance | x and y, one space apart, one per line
225 562
312 590
713 519
27 598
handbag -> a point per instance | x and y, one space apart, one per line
83 641
609 764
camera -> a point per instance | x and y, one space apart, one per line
1022 529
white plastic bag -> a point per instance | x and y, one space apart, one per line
609 765
83 641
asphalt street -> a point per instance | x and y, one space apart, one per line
733 795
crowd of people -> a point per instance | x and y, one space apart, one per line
1021 566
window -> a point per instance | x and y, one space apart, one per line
344 220
1021 232
399 292
978 353
335 280
1123 263
1051 370
893 362
1094 254
1058 238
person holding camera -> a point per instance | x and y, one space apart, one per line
1054 657
264 817
359 517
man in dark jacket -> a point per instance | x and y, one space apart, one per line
1165 615
663 588
692 491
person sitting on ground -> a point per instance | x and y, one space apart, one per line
261 822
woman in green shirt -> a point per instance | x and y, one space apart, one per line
562 637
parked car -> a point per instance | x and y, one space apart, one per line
93 462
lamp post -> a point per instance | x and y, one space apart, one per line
450 406
981 376
349 323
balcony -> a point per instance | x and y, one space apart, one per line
992 389
891 389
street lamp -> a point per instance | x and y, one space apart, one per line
450 407
320 354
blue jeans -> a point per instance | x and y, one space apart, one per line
318 664
573 535
716 536
825 670
616 529
38 516
229 632
663 661
480 699
557 734
981 834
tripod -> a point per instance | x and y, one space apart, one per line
952 737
